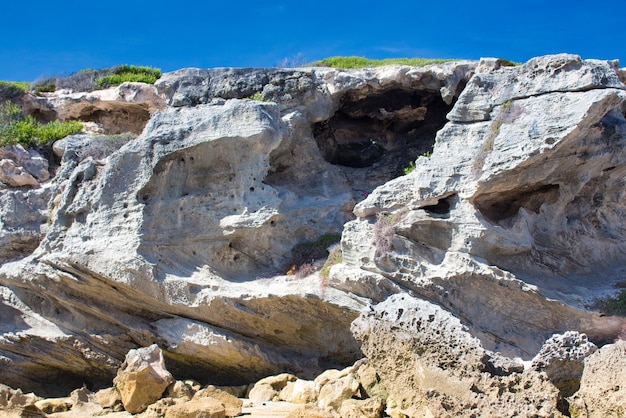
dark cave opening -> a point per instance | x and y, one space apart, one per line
392 126
500 206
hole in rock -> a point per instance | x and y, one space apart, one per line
392 126
498 206
442 207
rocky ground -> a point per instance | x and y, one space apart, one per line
191 219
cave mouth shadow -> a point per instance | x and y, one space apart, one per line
388 127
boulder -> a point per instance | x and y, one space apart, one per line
197 408
30 161
310 411
362 408
142 379
269 388
108 398
53 405
14 175
232 405
300 392
602 391
333 393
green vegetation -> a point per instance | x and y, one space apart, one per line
15 128
12 89
410 168
508 63
362 62
125 73
256 96
334 257
614 305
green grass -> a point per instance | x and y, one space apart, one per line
125 73
16 128
362 62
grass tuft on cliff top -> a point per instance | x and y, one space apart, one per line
362 62
125 73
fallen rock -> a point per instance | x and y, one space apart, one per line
108 398
362 408
142 379
13 175
232 405
50 406
29 160
180 390
602 390
333 393
300 392
310 411
16 404
269 388
197 408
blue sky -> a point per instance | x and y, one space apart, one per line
44 38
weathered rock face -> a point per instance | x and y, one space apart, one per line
125 108
602 392
181 236
433 366
521 204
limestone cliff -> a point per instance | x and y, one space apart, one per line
510 226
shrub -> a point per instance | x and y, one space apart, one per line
125 73
410 168
10 90
88 79
361 62
15 128
46 88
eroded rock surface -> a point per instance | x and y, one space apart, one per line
519 206
433 366
182 236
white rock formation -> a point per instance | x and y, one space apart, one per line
521 204
182 237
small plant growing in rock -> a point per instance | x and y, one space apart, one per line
614 305
410 168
